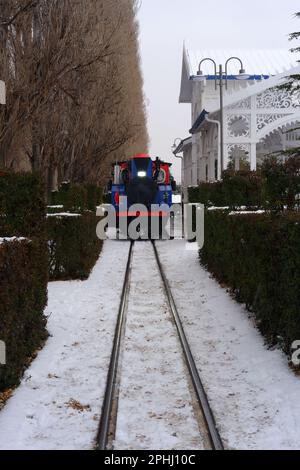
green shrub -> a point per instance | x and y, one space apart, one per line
94 196
23 297
22 205
281 182
274 186
23 270
74 246
76 197
258 256
207 194
242 188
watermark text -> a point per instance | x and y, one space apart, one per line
2 353
296 353
158 222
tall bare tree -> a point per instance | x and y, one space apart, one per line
75 100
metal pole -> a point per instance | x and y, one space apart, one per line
221 117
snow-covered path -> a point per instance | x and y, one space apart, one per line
58 403
155 405
253 394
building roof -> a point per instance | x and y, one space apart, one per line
184 143
198 122
255 61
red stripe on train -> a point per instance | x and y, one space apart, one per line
142 214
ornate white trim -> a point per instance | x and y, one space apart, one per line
278 99
293 119
263 120
238 125
257 88
242 104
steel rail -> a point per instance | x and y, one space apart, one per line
110 391
214 436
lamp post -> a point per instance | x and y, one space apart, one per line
219 80
177 141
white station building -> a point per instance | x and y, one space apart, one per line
256 113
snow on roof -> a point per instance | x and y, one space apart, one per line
255 61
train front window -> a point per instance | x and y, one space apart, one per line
142 166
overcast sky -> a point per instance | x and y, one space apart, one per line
213 24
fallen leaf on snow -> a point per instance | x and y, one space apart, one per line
4 396
76 405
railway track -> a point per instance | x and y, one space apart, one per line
109 413
106 425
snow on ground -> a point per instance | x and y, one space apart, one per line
58 403
155 410
176 199
253 393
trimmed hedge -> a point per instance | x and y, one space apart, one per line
23 297
258 256
76 197
274 186
281 183
22 205
243 188
23 271
73 245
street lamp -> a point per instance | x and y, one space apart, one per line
177 141
219 80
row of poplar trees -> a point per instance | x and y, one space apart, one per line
74 87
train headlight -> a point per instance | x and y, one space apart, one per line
142 174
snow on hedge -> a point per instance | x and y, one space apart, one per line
64 214
13 239
246 212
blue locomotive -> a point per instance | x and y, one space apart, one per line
145 182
